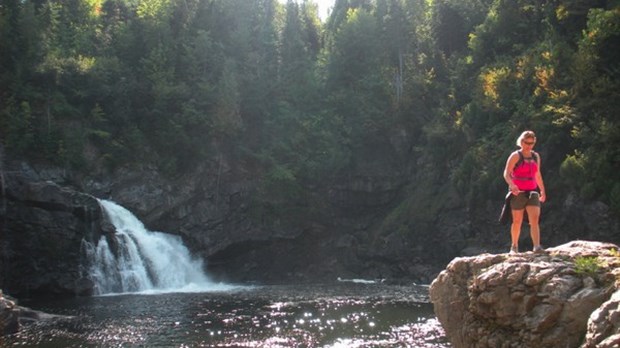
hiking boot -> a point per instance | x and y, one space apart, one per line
514 249
538 249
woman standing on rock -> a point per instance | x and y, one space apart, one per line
522 174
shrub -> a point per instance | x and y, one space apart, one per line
588 266
572 170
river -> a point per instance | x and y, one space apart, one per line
334 315
153 293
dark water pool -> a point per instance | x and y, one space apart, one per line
334 315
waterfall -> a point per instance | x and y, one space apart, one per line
137 260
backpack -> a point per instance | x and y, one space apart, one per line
522 159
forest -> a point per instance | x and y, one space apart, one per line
96 85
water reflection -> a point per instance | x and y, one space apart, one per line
351 315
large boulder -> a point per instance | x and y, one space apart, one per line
565 297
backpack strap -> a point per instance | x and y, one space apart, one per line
521 158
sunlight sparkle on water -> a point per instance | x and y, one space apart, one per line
343 315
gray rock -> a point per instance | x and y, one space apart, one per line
530 300
604 324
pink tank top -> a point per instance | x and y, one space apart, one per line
524 175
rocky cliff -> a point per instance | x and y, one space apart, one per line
47 212
396 224
568 296
42 228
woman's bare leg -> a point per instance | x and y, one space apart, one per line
533 216
515 228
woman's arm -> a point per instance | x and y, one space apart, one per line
510 165
540 183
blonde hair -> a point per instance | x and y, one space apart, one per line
528 134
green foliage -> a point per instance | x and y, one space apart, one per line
614 198
596 87
573 170
156 10
588 266
439 88
449 27
18 123
358 91
509 28
227 114
280 185
280 198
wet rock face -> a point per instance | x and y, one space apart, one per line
532 300
43 227
9 316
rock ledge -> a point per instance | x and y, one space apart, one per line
13 317
566 297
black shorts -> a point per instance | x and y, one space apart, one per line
523 199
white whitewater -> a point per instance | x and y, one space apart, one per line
140 261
